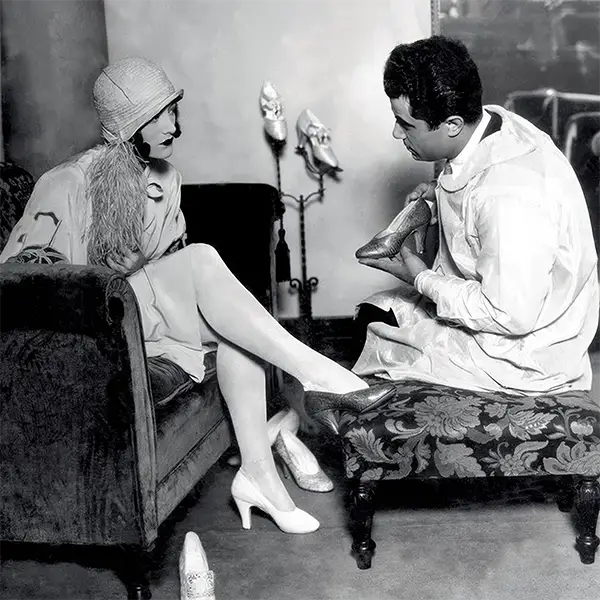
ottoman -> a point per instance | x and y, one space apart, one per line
431 431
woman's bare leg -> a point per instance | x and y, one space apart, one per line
235 314
242 382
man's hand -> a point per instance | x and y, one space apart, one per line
405 266
423 190
413 262
128 264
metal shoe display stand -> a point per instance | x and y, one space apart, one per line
306 285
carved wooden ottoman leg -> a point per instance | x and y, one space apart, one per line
362 498
566 496
587 506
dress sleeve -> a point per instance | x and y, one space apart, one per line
49 220
165 227
518 240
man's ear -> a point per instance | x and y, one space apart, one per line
454 125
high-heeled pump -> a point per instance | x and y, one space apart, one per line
413 218
246 495
271 106
297 459
197 581
321 405
311 131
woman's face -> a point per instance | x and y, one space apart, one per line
159 132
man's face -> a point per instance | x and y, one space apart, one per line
158 133
423 143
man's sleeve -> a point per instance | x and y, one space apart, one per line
518 240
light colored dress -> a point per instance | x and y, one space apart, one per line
59 213
511 302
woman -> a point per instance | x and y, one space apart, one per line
118 205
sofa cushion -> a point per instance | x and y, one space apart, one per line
168 380
432 431
187 422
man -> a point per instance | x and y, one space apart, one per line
511 300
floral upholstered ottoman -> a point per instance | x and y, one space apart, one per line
431 431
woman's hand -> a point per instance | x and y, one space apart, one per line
128 264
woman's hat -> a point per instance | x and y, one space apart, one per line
128 94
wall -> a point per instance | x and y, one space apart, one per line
325 55
52 51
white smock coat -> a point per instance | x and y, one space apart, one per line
511 301
58 214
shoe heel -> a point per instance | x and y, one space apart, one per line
328 420
302 141
244 510
282 464
420 235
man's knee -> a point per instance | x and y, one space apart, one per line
369 313
203 252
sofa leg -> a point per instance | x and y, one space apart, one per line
133 571
587 507
362 498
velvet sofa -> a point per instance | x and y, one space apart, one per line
99 443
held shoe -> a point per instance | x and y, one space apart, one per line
311 131
197 581
271 106
246 495
387 243
298 460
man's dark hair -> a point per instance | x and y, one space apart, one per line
438 77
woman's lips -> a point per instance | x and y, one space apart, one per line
167 142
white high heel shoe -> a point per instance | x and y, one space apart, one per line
246 495
271 106
197 581
286 419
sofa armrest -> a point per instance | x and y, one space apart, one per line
77 440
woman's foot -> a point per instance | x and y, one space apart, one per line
321 405
264 476
325 375
247 494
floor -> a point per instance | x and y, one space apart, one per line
462 541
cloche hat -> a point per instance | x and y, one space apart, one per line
129 93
